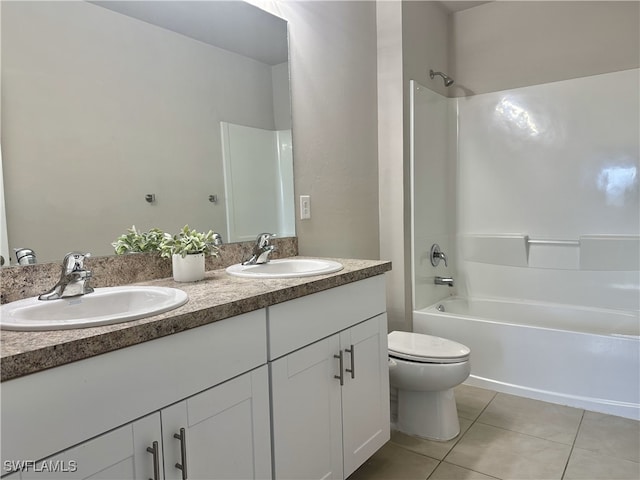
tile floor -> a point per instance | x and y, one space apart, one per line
507 437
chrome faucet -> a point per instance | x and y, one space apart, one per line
261 250
443 281
25 256
437 255
74 279
217 239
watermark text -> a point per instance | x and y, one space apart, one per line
59 466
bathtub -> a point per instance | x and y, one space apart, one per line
581 357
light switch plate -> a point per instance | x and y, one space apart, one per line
305 207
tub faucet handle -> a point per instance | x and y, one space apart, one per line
437 255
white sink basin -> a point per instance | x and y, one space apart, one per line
102 307
286 268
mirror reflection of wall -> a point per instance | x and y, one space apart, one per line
100 109
257 167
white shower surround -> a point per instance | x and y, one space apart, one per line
553 161
556 161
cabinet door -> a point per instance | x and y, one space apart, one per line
307 432
226 431
365 394
120 454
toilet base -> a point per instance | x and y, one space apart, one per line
430 415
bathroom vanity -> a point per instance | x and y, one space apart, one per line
249 379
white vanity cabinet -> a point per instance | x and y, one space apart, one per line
119 454
103 413
330 384
220 433
298 390
225 431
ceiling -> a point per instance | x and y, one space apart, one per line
458 5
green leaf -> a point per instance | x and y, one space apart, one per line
187 242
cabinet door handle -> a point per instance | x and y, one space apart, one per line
352 351
182 436
341 376
153 450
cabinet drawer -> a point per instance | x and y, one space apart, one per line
49 411
302 321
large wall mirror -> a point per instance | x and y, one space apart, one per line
145 113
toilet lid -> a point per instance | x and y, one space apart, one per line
426 348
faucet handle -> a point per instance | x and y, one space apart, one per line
262 240
437 255
74 262
217 239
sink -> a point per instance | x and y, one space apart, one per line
286 268
102 307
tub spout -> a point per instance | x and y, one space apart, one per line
443 281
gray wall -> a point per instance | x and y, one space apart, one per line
502 45
412 37
395 228
334 109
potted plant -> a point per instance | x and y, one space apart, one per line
138 242
187 250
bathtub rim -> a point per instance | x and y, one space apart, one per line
631 314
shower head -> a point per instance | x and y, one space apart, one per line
448 81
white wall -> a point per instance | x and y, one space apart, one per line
130 111
541 154
555 161
251 174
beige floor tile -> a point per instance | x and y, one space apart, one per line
472 400
447 471
533 417
610 436
395 463
509 455
429 448
586 465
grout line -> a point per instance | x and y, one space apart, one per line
440 461
434 470
473 422
566 465
529 434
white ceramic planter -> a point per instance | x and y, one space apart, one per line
189 268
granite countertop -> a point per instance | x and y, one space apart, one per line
217 297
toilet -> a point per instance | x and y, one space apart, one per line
424 369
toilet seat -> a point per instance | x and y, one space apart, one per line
420 348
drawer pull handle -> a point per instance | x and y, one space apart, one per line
182 436
352 351
341 376
153 450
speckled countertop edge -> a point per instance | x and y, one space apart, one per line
217 297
